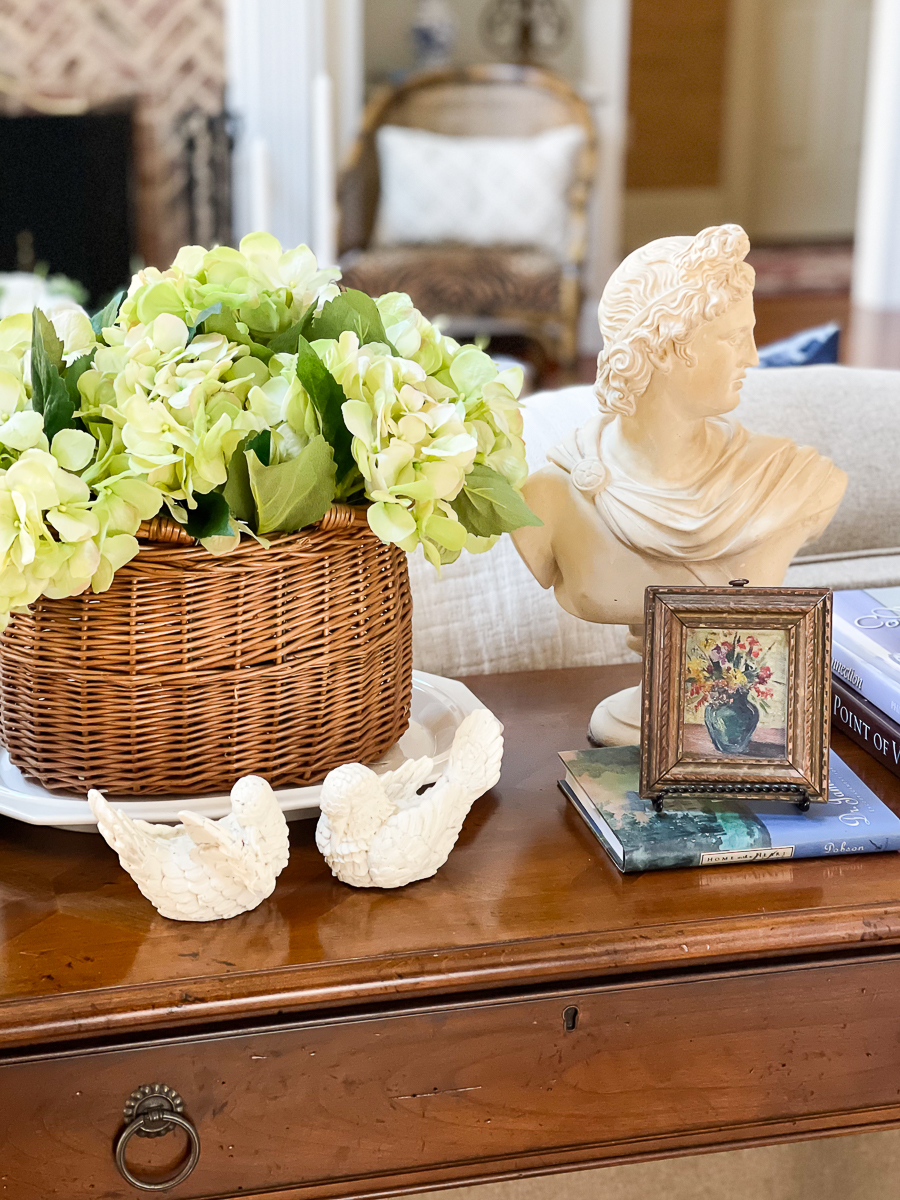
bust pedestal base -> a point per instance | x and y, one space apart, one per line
616 721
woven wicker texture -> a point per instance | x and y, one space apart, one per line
193 670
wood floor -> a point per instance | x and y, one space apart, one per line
867 339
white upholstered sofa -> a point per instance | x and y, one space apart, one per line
486 614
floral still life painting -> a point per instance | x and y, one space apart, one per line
735 686
736 692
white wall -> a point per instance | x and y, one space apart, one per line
605 49
876 274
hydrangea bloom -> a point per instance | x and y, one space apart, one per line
268 290
20 427
51 538
420 422
178 407
279 400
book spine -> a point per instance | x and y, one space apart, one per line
866 679
875 641
865 725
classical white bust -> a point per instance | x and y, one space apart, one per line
663 485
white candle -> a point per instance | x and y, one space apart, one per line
323 177
260 172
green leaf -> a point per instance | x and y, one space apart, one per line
49 394
211 517
286 343
489 504
296 493
237 491
327 397
351 311
212 311
44 334
261 445
59 410
226 323
74 373
107 316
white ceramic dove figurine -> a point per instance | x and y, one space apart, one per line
203 870
376 831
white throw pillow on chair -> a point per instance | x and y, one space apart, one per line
480 191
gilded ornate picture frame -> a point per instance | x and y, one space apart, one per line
736 692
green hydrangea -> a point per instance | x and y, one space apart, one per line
52 540
177 406
243 391
420 423
267 289
282 404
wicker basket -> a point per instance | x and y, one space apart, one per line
193 670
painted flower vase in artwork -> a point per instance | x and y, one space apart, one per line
731 725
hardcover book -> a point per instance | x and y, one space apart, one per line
695 831
865 724
865 649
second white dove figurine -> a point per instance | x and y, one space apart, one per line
377 831
203 870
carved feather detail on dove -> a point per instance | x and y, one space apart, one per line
377 831
203 870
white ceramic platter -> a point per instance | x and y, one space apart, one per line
438 708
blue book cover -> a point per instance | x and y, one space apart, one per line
694 831
865 649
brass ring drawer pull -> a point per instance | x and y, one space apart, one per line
153 1110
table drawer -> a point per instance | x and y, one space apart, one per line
459 1091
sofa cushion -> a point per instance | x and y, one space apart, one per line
852 415
458 280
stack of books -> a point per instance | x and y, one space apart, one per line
865 664
697 831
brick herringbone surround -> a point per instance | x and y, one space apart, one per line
168 54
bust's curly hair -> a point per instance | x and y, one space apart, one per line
657 298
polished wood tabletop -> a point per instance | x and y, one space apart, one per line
528 897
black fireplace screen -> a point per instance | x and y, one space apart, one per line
67 198
207 140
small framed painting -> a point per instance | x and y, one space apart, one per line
737 689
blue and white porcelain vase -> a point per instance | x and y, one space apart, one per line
433 34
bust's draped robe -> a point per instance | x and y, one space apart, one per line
745 515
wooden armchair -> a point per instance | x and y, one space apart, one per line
499 288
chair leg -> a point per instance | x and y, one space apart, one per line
570 313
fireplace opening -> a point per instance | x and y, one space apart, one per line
67 200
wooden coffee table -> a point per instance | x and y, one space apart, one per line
528 1010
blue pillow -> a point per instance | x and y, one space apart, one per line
819 345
